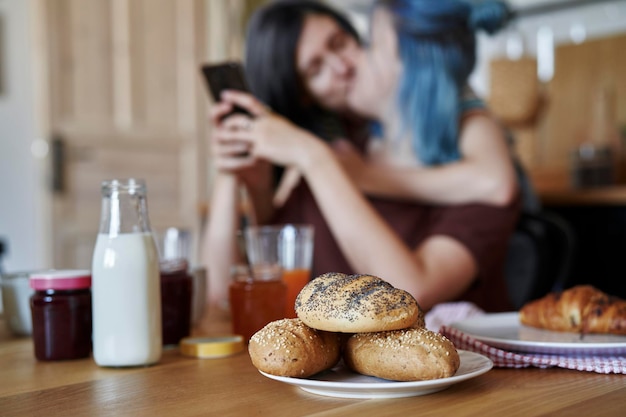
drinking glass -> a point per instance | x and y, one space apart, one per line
16 294
177 284
288 246
174 243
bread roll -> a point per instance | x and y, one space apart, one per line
288 347
581 309
355 303
402 355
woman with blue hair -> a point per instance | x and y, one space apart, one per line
413 81
432 124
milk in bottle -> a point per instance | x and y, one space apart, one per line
125 280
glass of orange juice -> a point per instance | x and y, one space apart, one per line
293 246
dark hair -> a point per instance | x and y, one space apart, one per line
271 42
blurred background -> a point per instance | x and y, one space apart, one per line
97 89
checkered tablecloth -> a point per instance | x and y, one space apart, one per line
506 359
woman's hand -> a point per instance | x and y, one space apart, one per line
228 155
233 157
267 135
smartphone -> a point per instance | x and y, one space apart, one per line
225 76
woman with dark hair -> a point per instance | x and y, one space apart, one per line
436 44
311 98
300 61
437 252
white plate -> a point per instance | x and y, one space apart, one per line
343 383
503 330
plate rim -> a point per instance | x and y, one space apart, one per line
387 386
533 346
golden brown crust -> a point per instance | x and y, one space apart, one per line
290 348
355 303
582 309
402 355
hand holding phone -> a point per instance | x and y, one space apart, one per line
226 76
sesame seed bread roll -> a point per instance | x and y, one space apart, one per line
338 302
402 355
290 348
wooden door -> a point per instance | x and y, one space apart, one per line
125 100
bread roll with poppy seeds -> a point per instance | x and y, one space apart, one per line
402 355
338 302
290 348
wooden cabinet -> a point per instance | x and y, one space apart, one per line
581 73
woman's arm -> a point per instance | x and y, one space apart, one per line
233 170
219 248
485 174
233 157
440 269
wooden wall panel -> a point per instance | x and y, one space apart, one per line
127 64
154 63
121 64
80 64
126 96
124 90
90 66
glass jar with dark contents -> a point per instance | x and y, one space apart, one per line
61 314
176 293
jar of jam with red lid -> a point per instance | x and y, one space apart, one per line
61 314
176 293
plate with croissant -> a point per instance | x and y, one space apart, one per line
580 320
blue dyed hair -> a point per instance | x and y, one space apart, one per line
437 47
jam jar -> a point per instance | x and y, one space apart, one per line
61 314
255 299
176 296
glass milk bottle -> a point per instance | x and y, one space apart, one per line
126 295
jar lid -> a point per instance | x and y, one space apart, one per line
67 279
169 266
211 347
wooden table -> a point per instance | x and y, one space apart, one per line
182 386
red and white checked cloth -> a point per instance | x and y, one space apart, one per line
505 359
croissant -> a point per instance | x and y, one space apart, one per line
583 309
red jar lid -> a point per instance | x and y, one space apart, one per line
68 279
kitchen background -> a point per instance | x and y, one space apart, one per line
94 89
